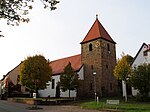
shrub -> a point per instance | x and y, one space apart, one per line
142 97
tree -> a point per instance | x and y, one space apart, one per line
140 79
14 11
35 72
1 35
123 69
69 79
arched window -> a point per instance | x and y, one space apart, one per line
53 83
108 47
91 86
106 66
90 47
111 86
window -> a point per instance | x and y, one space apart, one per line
91 86
53 83
103 90
92 67
111 86
90 47
18 78
145 53
106 66
108 47
26 89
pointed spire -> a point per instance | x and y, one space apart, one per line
97 31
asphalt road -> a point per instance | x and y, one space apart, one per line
6 106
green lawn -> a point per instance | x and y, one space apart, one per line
131 106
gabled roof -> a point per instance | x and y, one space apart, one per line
59 65
11 71
144 44
97 31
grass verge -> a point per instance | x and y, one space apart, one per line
122 107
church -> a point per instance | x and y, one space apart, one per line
94 66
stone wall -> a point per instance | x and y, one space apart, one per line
102 61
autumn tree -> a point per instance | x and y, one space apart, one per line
69 79
123 69
140 79
35 72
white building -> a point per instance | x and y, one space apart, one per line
143 56
58 68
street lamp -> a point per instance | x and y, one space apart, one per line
94 75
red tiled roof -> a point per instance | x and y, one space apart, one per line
59 65
97 31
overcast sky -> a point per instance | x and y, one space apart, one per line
57 34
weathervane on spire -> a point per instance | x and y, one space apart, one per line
96 16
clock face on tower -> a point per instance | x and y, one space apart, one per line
97 44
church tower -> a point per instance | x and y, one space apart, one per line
98 54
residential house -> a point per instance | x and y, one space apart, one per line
11 81
142 56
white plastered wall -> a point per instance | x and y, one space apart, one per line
52 92
140 59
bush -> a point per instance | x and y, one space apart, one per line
142 97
